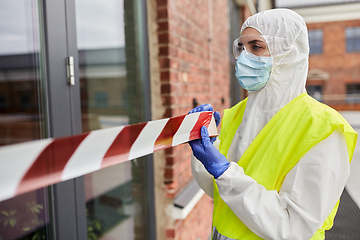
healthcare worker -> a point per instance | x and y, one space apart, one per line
282 158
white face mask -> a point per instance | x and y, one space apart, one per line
253 72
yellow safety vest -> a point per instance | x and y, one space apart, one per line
285 139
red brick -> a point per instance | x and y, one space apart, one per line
165 76
169 161
174 64
165 88
161 3
170 233
164 62
169 151
168 113
164 51
173 52
174 39
162 13
169 173
166 100
163 26
163 37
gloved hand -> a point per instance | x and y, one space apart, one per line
214 162
204 108
217 121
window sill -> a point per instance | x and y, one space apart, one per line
185 201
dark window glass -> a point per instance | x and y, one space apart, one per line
352 39
316 41
353 92
21 111
315 91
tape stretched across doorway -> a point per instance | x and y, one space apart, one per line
28 166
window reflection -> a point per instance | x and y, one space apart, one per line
25 216
19 72
19 96
103 88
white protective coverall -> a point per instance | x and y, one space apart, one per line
312 188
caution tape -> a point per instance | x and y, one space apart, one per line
32 165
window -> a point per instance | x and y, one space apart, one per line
352 39
353 93
315 91
2 102
111 88
316 41
101 99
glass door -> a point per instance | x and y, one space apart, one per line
22 110
36 101
112 94
107 41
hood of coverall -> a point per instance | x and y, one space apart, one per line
289 47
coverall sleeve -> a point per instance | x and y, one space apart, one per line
201 175
307 196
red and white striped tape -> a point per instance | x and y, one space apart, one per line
28 166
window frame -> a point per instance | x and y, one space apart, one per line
355 46
67 199
316 33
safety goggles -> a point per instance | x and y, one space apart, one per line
254 44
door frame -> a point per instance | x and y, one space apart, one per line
67 199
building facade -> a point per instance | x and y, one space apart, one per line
334 63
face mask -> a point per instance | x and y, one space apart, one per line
253 72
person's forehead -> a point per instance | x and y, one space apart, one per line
250 39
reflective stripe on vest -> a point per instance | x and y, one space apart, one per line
285 139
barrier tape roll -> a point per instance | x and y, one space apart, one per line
32 165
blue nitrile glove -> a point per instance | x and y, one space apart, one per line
214 162
204 108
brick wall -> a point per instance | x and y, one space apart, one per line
193 66
196 225
343 67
